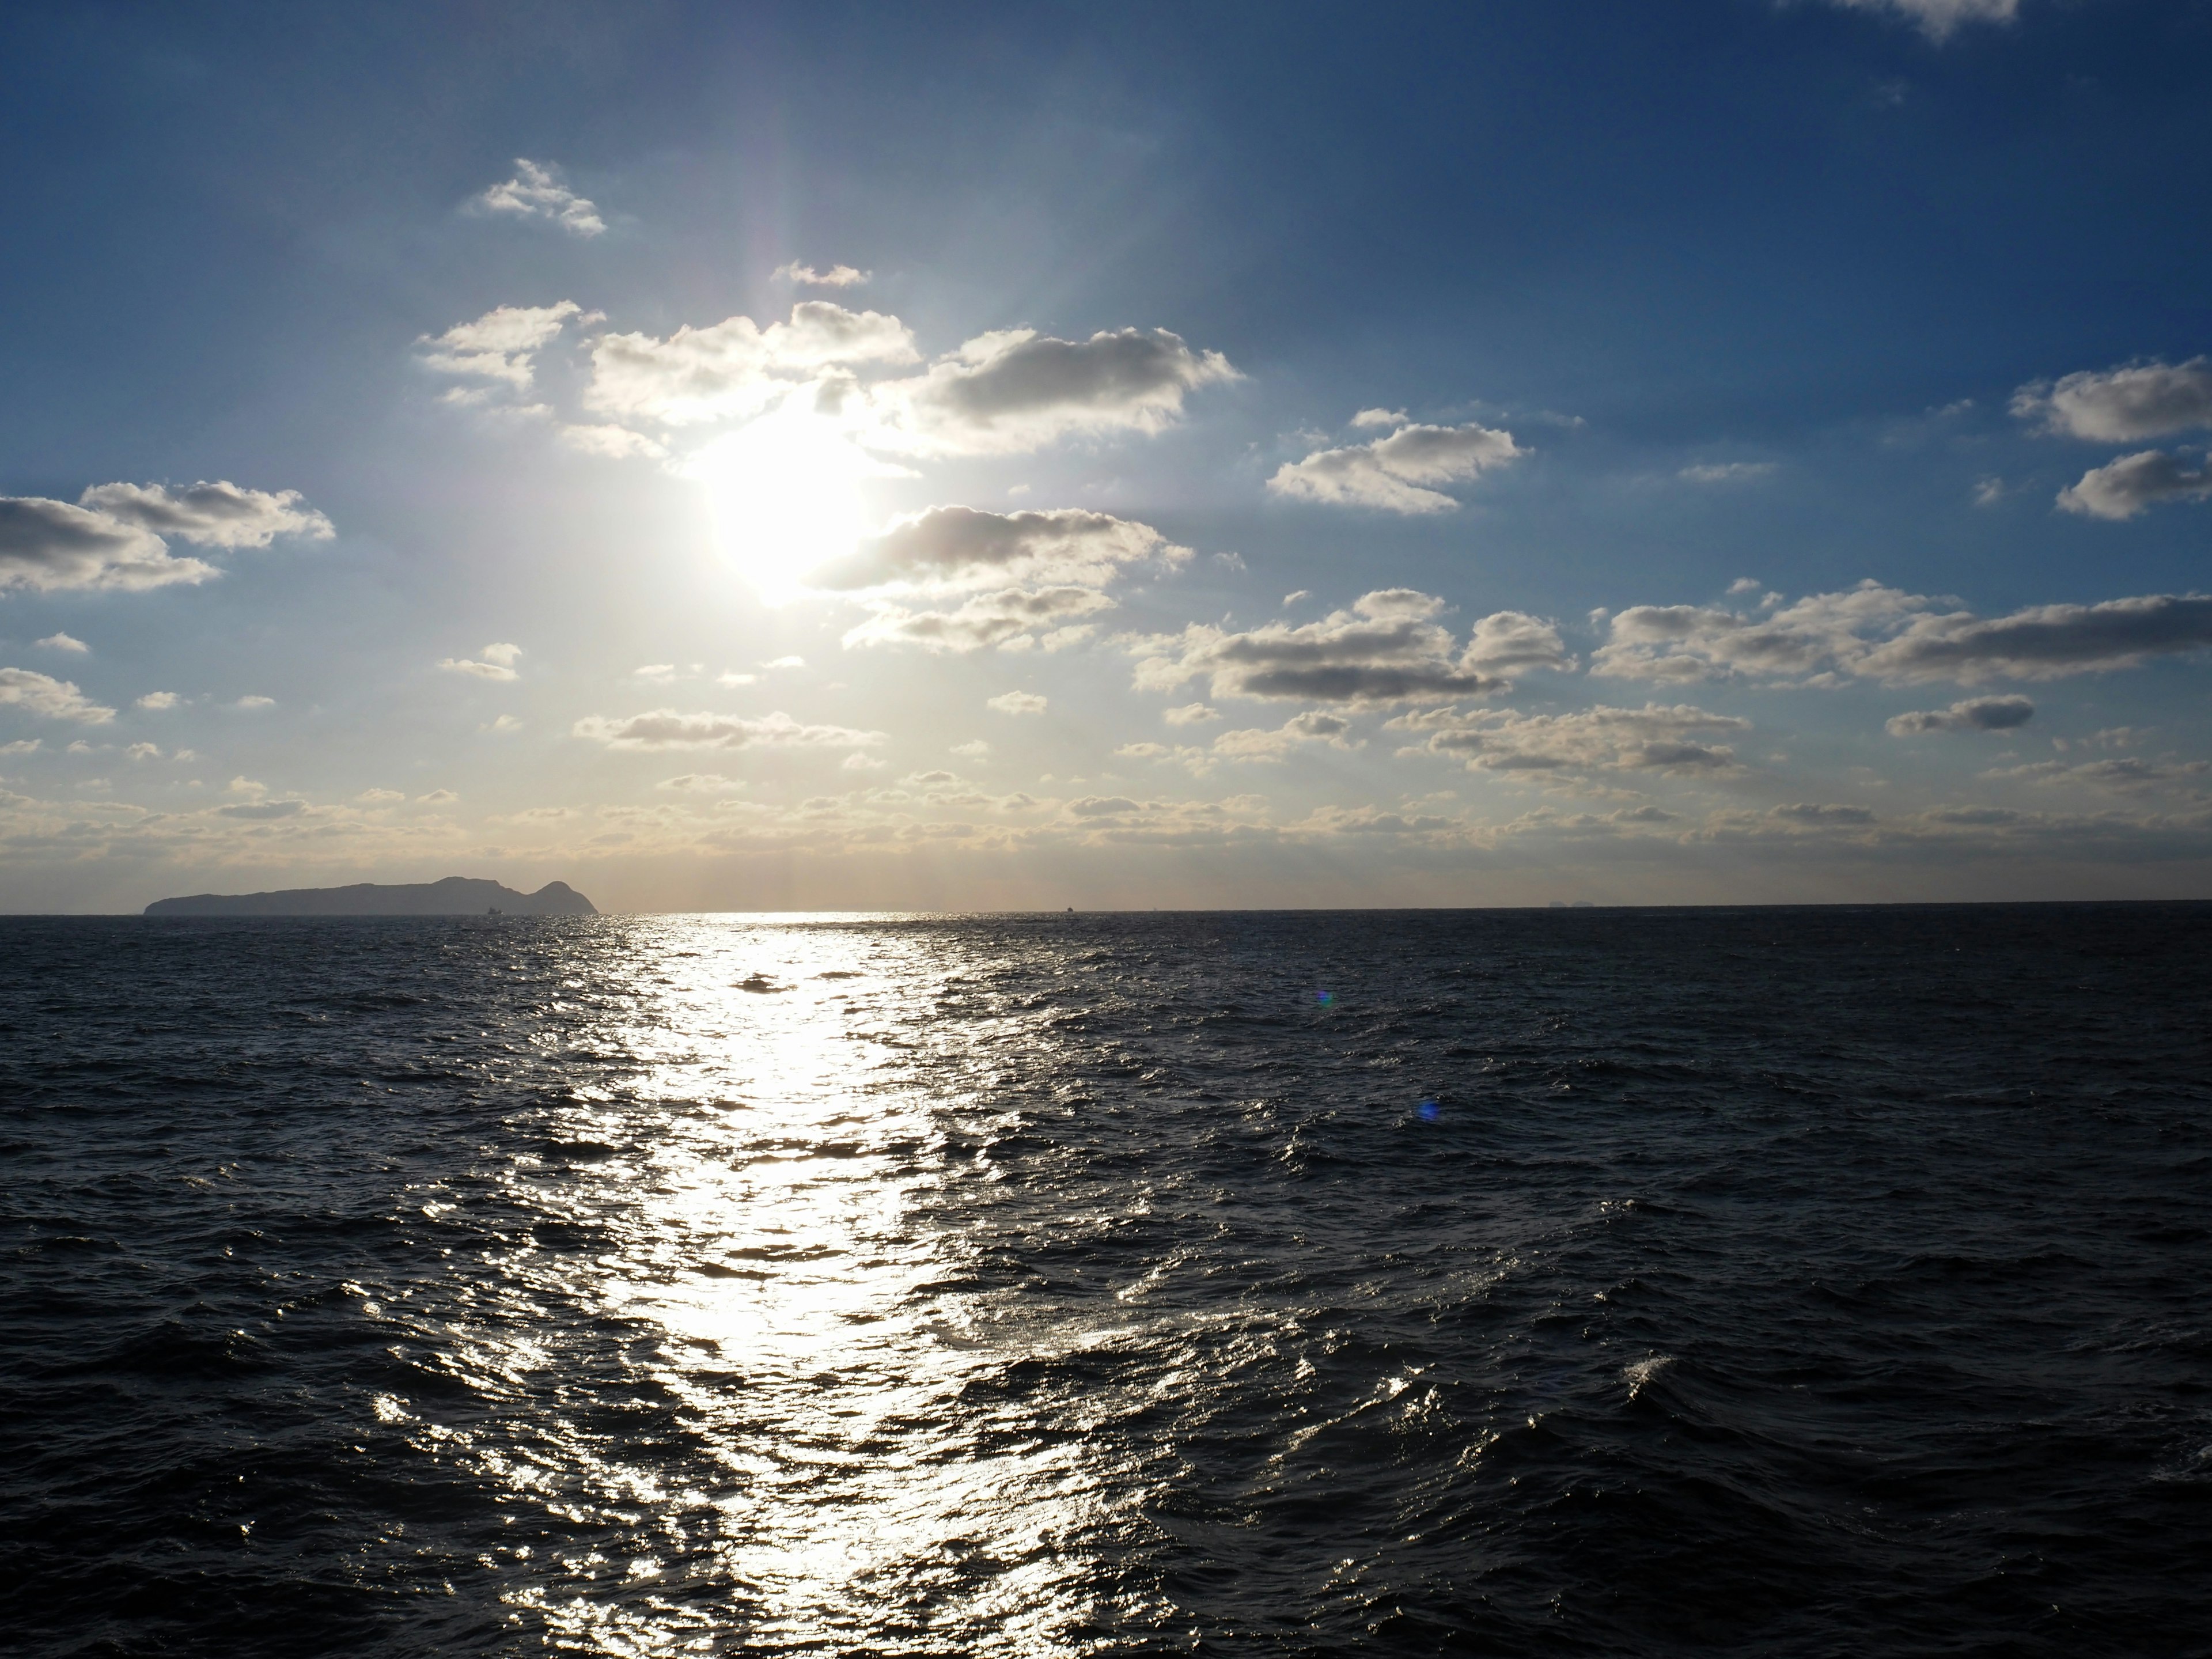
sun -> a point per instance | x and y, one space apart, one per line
787 496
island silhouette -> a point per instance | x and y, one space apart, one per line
456 895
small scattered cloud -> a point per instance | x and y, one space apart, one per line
951 549
1974 714
1744 585
505 725
210 514
143 751
1399 473
438 798
1655 738
774 663
1017 702
807 276
1016 390
977 750
1879 633
666 728
2125 776
263 810
1939 19
654 671
1190 714
1006 619
1821 813
49 698
2120 489
501 346
2120 405
1989 491
64 642
1387 647
702 783
381 797
254 700
495 662
1384 417
615 443
538 191
1290 600
1714 473
735 368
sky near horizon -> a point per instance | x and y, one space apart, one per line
781 457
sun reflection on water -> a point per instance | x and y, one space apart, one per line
767 1179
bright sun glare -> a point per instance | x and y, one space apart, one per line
786 497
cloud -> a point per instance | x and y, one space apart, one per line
654 671
2122 489
381 797
1191 714
537 191
438 798
1881 632
1017 702
253 700
500 346
498 659
975 749
735 368
665 728
1937 18
1315 726
784 662
1725 471
950 548
1005 619
63 642
49 698
1374 417
1017 389
158 701
1974 714
218 514
263 810
1654 738
2119 405
1820 813
1392 473
616 443
702 783
807 276
51 547
2126 776
1388 648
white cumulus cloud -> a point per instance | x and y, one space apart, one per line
1016 390
1388 648
807 276
1973 715
49 698
1873 632
951 548
217 514
2122 489
1397 473
495 662
538 191
63 642
2121 405
667 728
735 368
1017 702
500 346
1654 738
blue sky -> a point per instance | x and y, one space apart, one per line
803 457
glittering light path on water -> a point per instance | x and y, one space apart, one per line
1583 1283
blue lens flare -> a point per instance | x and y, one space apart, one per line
1429 1110
1324 998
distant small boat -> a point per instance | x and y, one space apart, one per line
493 911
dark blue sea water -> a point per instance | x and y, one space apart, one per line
1803 1282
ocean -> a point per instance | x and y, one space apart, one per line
1829 1281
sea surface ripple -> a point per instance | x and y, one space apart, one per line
1807 1282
